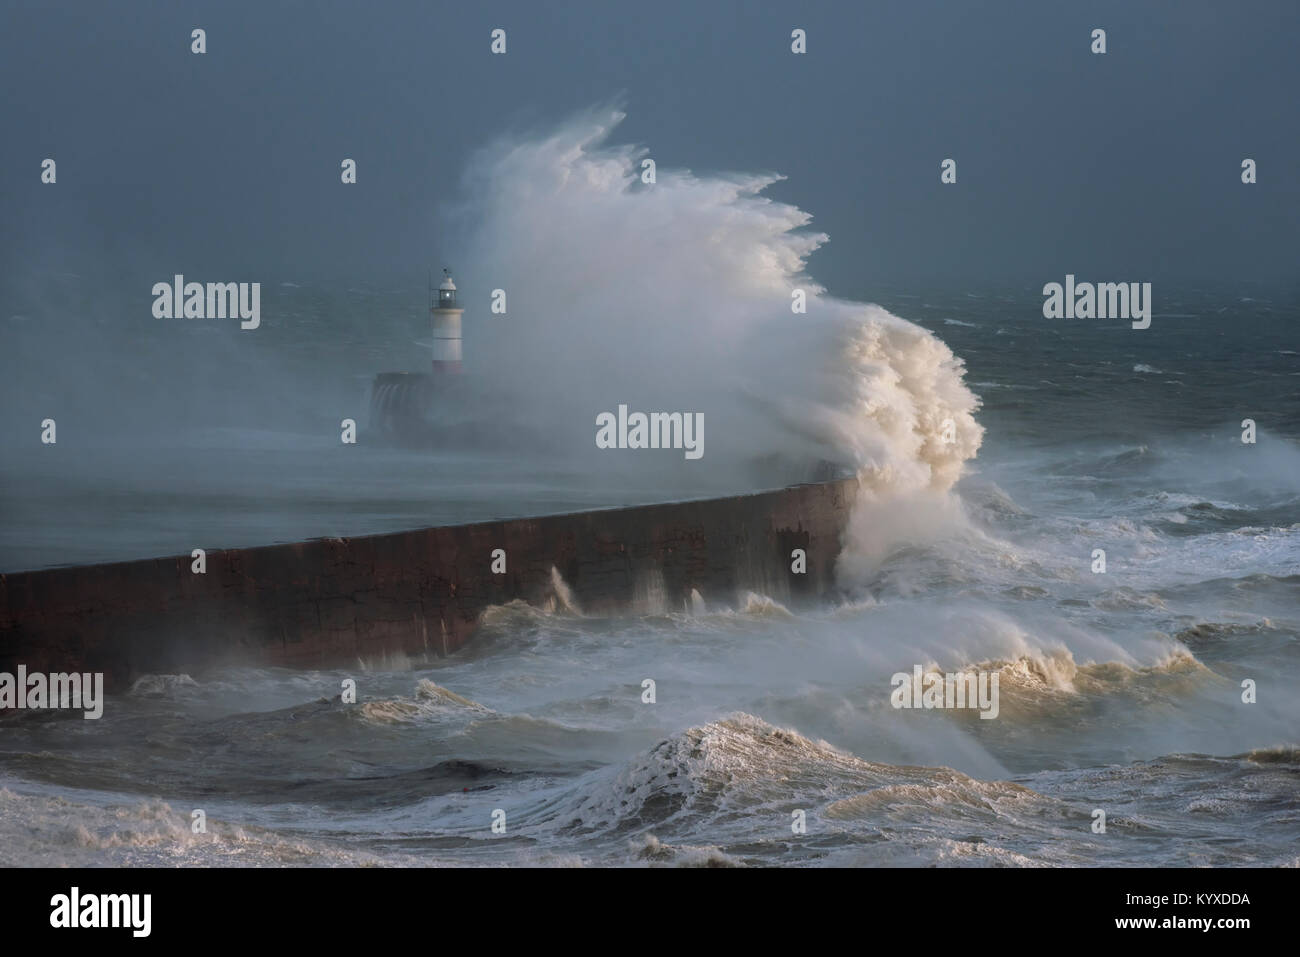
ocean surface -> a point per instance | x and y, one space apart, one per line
998 453
1119 691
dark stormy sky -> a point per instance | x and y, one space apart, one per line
1123 166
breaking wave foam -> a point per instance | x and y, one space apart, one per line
677 295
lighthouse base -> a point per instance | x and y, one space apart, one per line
437 411
405 408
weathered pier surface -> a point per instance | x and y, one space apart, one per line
413 594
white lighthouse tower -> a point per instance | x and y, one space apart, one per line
446 328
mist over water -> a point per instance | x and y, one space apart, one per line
971 548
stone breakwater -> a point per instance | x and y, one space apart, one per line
415 594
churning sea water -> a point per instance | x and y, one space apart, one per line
1120 691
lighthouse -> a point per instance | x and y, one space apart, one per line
446 313
417 408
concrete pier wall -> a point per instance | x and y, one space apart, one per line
413 594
